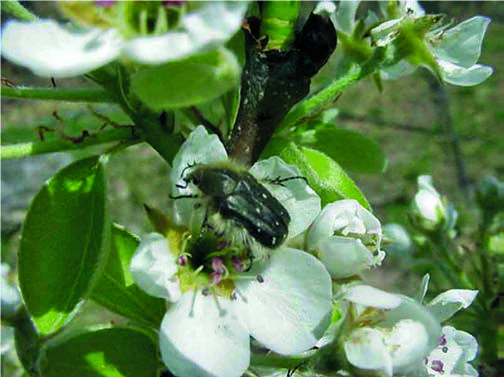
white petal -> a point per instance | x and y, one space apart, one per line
465 340
425 183
406 7
289 311
412 309
160 48
383 33
154 268
344 19
302 203
408 343
427 201
457 349
325 8
200 147
344 257
50 50
208 27
202 337
373 297
412 8
461 45
401 245
448 303
400 69
457 75
366 349
424 285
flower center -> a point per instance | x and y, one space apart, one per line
211 264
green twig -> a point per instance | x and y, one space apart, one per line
70 95
326 96
16 10
41 147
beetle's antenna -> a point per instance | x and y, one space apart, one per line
280 181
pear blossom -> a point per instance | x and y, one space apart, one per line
454 348
395 334
346 238
53 50
429 210
455 50
218 299
390 333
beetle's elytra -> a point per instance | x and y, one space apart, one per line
236 200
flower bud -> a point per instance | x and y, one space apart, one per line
490 194
430 213
346 238
11 299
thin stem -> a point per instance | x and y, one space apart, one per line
42 147
16 10
70 95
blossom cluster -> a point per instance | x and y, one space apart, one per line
220 295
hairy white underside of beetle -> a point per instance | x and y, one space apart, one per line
234 232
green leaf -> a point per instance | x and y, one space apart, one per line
187 82
62 243
352 150
116 289
108 352
324 174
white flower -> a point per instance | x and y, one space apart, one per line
452 355
283 301
346 238
390 333
51 50
394 334
455 50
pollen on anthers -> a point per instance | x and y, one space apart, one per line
211 266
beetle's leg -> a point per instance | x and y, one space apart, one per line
182 187
280 181
183 196
189 165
